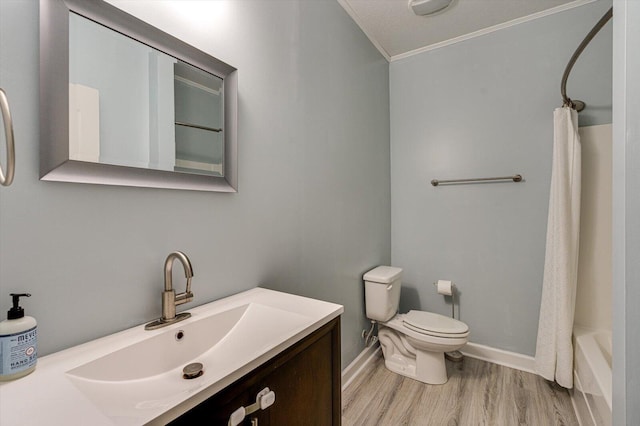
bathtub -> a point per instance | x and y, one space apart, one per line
591 395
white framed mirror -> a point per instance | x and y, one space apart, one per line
123 103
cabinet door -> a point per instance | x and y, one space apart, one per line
303 388
217 410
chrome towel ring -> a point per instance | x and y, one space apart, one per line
5 180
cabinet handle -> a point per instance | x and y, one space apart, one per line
5 180
265 399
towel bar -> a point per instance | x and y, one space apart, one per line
515 178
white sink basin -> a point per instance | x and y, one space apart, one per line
137 375
164 352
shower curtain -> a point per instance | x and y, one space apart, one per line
554 350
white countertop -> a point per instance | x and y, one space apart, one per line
50 396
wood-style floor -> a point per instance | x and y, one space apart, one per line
477 393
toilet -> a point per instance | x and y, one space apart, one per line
413 344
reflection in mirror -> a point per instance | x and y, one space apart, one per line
132 105
123 103
198 120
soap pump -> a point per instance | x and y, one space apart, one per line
18 342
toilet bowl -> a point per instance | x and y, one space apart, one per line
413 344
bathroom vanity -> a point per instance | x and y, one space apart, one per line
246 343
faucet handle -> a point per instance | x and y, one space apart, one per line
185 297
189 275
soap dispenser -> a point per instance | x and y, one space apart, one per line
18 337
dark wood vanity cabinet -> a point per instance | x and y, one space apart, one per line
306 381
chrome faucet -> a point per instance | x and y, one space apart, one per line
169 297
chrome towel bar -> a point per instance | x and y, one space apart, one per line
515 178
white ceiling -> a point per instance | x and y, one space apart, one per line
397 32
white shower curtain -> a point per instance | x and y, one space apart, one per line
554 350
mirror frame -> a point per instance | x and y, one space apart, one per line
55 164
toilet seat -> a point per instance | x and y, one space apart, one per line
434 324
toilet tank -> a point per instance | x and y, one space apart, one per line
382 292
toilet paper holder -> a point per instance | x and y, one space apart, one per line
455 356
453 298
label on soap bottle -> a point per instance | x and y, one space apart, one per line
18 351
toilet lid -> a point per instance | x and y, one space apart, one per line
434 323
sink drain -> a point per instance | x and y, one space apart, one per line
192 371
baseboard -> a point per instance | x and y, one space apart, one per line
500 357
352 370
472 350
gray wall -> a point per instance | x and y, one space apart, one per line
479 108
312 212
626 212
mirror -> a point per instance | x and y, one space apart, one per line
123 103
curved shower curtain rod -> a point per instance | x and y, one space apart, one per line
566 101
